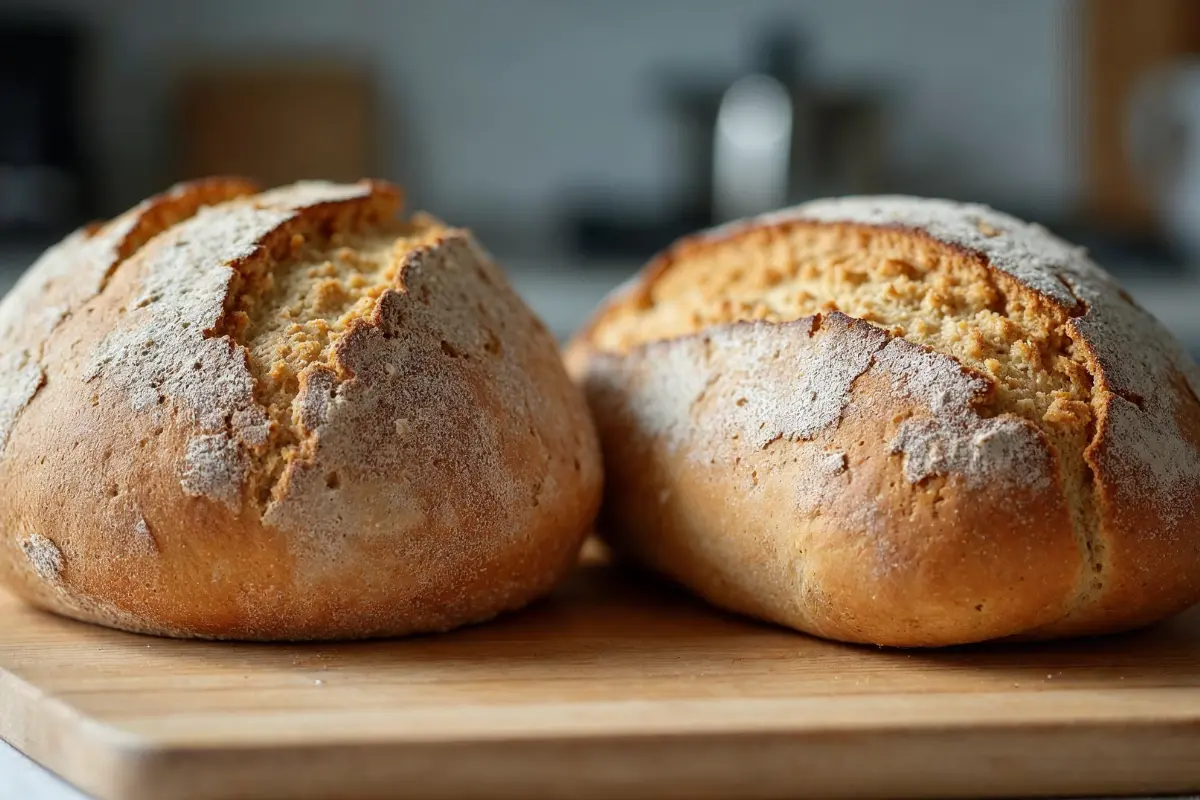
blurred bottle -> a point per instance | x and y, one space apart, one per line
762 136
1164 147
766 136
775 136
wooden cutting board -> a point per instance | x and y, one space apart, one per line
615 686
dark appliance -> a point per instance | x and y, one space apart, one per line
43 186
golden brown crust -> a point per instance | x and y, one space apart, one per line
427 491
903 504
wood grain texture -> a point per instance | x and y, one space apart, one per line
614 686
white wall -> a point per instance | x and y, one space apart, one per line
504 103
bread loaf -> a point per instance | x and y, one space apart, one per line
898 421
283 415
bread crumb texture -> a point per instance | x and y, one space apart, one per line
914 288
1037 368
290 316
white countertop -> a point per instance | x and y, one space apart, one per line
21 779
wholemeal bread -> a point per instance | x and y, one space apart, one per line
283 415
898 421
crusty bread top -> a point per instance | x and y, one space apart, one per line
299 336
76 270
1125 351
1022 342
191 272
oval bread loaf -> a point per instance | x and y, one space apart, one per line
899 421
283 415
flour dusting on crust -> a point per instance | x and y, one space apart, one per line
1145 449
77 269
822 378
311 406
144 540
164 358
23 378
162 353
214 467
44 555
833 463
727 379
304 194
59 269
757 382
954 439
1134 357
668 392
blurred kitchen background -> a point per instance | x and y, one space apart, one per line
579 136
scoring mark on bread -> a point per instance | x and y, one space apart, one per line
1022 250
293 313
1089 391
147 358
761 383
171 355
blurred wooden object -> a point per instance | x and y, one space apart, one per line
615 686
276 123
1123 40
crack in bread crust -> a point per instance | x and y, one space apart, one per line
909 288
171 350
289 315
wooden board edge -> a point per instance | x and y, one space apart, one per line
1108 757
1058 760
92 757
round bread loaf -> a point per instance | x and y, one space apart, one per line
283 415
899 421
